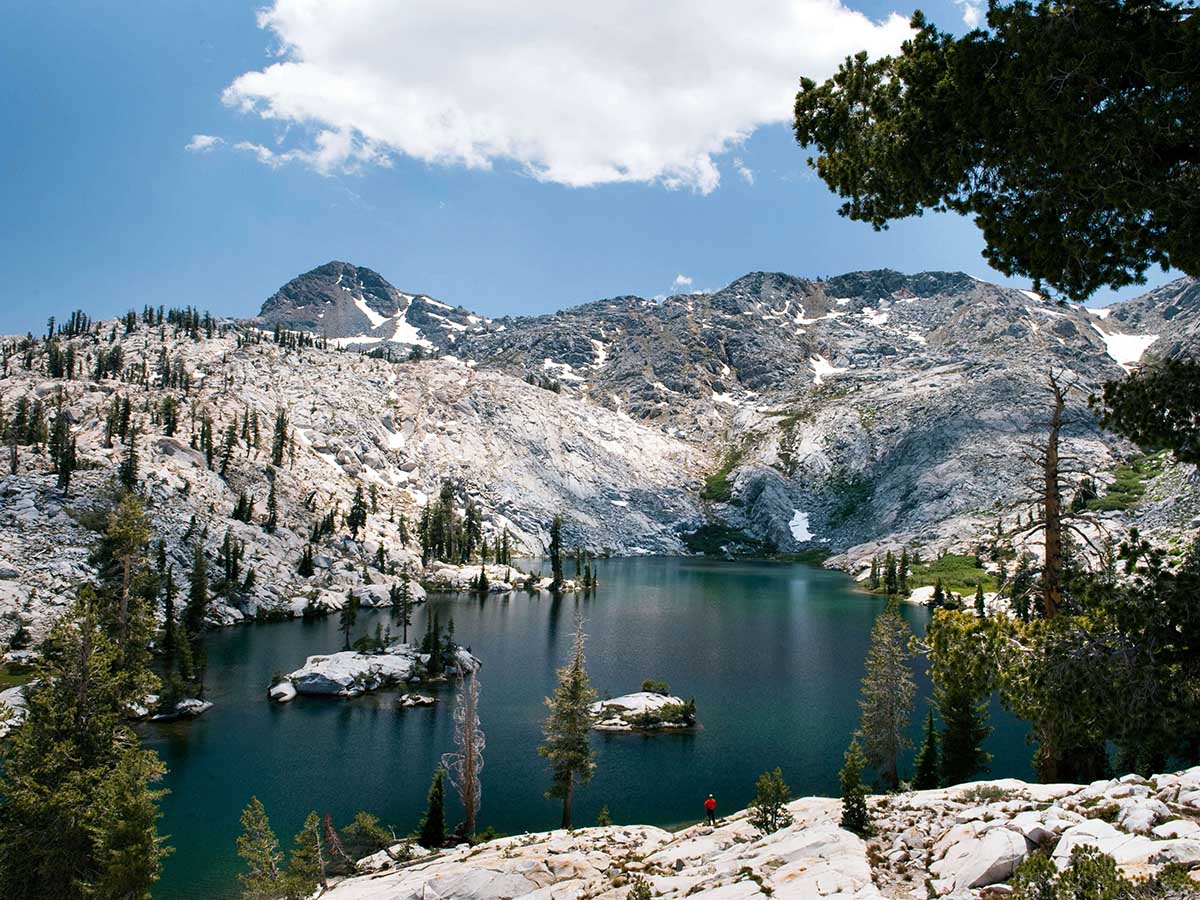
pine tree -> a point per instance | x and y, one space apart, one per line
855 816
902 571
890 580
127 472
928 764
873 579
279 440
433 826
227 448
887 694
603 818
356 520
306 567
980 609
568 726
273 511
79 816
307 863
938 600
556 563
768 810
401 598
259 849
348 616
197 605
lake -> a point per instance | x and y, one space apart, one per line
772 653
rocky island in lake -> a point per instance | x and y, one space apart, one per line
352 673
645 710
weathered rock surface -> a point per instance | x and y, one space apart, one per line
964 841
635 711
853 413
350 673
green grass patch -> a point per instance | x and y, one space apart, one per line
814 556
1129 484
957 572
717 486
718 539
13 674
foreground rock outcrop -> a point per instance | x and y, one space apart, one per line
962 842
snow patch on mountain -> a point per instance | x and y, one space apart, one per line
1126 349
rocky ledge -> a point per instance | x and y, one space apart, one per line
351 673
962 842
644 711
442 576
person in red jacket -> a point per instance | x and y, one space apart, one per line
710 807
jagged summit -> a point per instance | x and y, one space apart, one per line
356 306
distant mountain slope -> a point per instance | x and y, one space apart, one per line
355 306
853 414
843 411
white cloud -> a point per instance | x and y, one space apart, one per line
624 91
972 12
682 281
202 143
745 171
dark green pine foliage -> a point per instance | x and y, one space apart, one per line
432 833
938 600
356 519
928 765
306 568
1033 128
279 439
1157 407
556 551
127 471
348 616
307 862
768 810
980 609
887 694
568 726
79 818
891 581
855 816
401 599
259 850
197 605
228 445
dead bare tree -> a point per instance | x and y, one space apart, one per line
464 765
1049 514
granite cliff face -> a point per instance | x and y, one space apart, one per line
847 412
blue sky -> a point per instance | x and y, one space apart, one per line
104 208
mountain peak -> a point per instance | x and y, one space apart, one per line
355 306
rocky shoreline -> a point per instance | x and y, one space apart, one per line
960 842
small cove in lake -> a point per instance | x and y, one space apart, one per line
772 653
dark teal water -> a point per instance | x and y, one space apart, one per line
772 653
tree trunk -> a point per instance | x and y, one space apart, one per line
566 818
1052 598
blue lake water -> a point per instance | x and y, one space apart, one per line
773 654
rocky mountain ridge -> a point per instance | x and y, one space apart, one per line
782 414
853 410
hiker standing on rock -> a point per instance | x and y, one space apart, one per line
710 808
